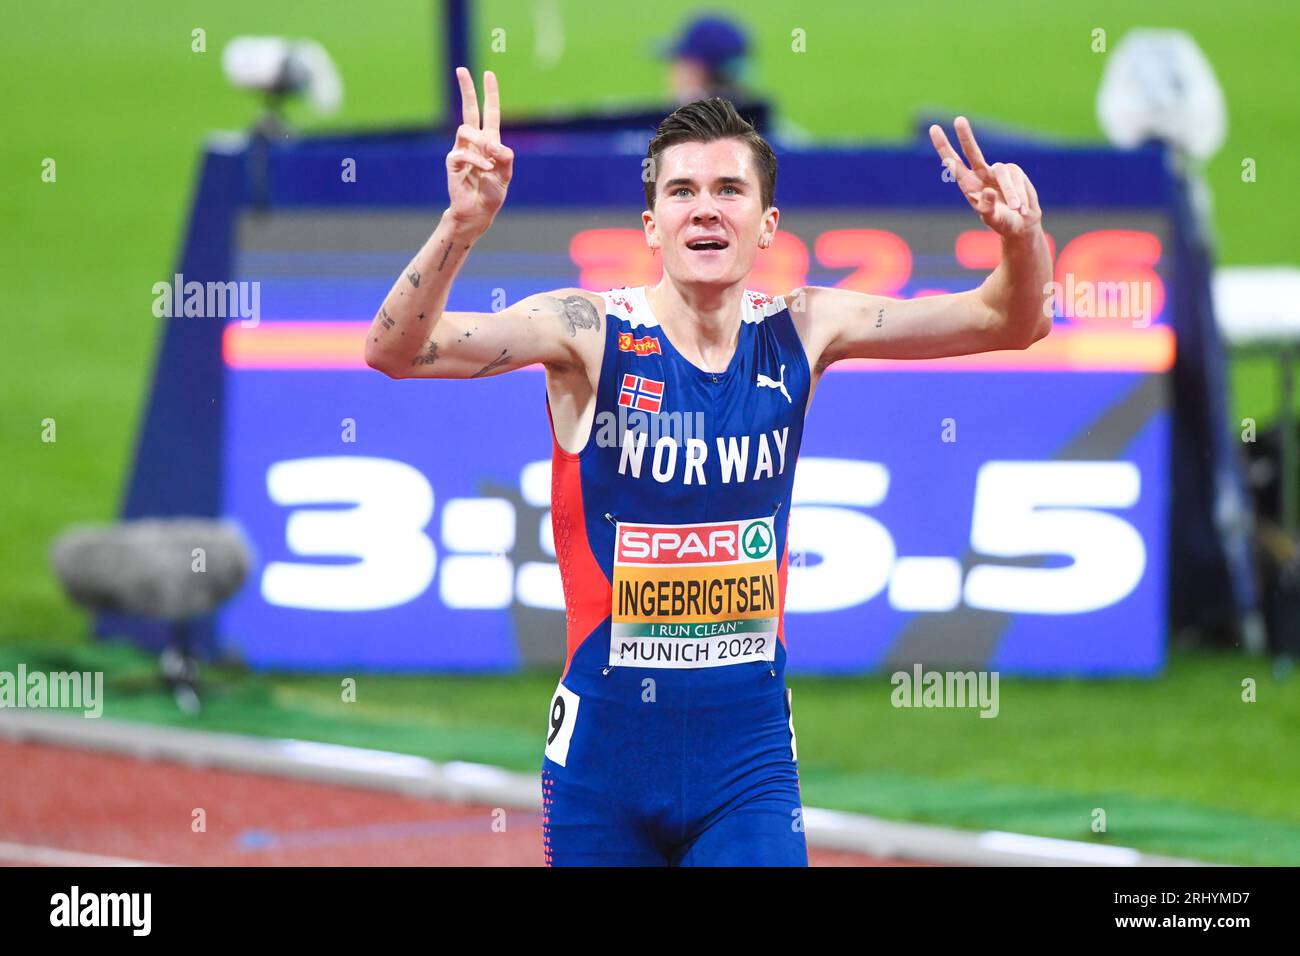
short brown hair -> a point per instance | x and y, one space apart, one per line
705 121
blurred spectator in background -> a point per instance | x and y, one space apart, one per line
711 57
708 59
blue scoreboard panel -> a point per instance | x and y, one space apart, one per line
1006 510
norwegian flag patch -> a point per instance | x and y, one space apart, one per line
643 394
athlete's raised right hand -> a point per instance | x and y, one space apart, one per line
478 166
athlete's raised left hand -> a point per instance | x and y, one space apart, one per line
1001 193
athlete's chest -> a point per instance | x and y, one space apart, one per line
670 422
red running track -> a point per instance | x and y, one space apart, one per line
83 802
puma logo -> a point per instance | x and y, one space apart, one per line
765 382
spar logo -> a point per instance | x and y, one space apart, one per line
718 542
646 345
757 540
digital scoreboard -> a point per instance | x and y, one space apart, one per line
1005 510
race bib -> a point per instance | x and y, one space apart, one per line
564 714
695 595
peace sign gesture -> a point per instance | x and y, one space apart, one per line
478 166
1002 194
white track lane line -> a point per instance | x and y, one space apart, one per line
50 856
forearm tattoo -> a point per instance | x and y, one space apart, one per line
447 252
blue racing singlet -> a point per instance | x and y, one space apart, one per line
671 740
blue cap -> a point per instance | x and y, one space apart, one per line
713 41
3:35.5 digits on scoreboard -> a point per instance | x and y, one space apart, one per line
840 554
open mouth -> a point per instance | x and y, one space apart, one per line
705 245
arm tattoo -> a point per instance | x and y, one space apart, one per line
429 356
880 318
579 314
387 321
414 276
443 262
494 364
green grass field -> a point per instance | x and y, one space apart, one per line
116 96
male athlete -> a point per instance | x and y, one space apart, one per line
671 740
